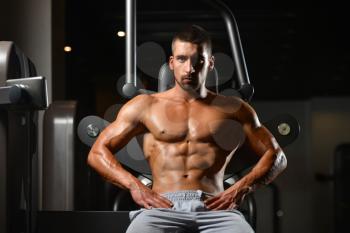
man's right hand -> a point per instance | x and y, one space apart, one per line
147 198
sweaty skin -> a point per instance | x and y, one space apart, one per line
189 136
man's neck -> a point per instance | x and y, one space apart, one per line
190 94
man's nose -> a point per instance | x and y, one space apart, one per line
189 67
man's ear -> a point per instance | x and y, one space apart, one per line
171 62
211 62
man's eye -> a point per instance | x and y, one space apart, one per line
181 59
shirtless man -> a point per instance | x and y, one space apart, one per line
190 135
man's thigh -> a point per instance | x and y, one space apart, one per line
223 222
159 221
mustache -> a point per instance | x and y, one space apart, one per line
192 77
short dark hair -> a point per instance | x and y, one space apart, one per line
193 34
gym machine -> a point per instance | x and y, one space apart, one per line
22 95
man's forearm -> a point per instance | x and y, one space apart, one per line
266 170
108 167
278 166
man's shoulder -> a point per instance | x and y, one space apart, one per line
144 102
233 105
134 110
226 99
226 102
137 105
140 100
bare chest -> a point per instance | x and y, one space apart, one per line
176 122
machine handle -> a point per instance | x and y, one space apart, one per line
10 94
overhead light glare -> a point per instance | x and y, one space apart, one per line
121 33
67 49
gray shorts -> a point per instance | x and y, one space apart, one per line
187 215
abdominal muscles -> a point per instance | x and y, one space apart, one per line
185 165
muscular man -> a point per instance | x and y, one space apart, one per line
190 135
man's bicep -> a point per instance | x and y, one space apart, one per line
119 133
127 125
260 139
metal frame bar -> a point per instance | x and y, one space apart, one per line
130 89
246 89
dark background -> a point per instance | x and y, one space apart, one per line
293 51
297 56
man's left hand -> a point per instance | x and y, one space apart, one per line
229 199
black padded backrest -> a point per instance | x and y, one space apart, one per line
166 79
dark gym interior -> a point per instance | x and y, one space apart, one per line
297 56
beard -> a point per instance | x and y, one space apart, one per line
188 84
